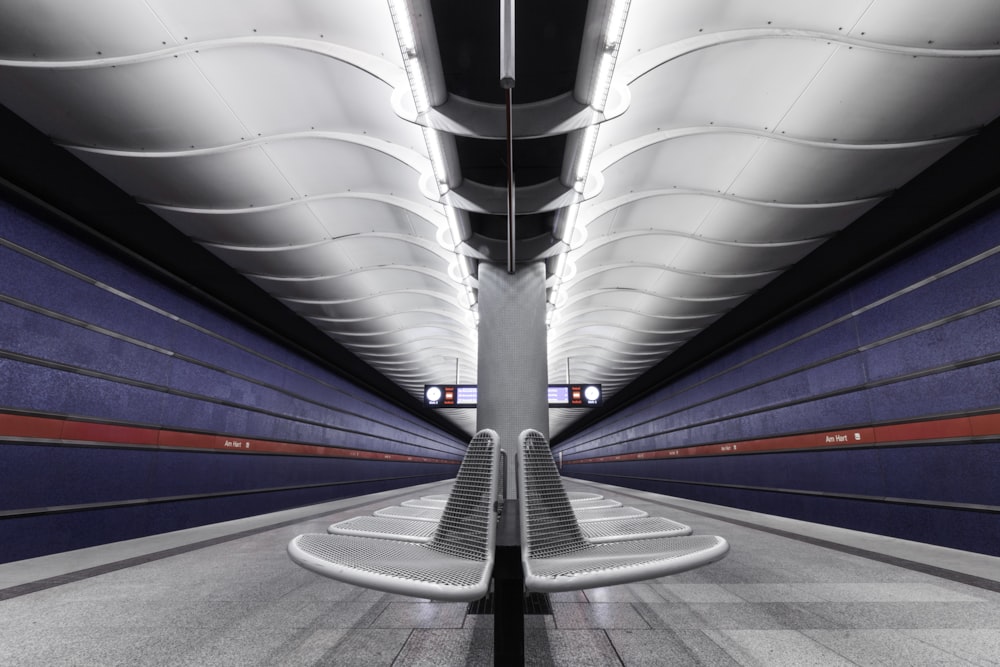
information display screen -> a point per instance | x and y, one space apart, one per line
560 395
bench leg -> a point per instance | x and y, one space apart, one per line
508 591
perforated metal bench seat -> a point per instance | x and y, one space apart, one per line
600 503
581 496
413 530
643 528
386 528
554 553
425 504
456 564
418 513
443 497
607 514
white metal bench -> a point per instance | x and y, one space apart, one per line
555 555
425 504
575 497
417 513
601 503
607 514
456 564
386 528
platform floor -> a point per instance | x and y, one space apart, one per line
789 593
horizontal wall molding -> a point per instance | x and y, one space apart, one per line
953 430
18 303
811 398
137 502
581 444
931 504
49 430
175 319
60 366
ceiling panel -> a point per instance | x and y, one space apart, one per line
738 138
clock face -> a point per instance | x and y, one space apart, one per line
433 394
592 393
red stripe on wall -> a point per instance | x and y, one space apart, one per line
936 429
69 430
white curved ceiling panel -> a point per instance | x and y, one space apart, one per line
741 84
338 255
77 30
158 105
717 216
376 304
705 162
647 302
233 179
964 24
359 282
254 81
862 95
291 225
653 23
358 25
318 167
814 175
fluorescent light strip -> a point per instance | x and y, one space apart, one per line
616 24
605 69
404 27
436 155
407 38
456 236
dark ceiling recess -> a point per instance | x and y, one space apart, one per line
548 34
950 193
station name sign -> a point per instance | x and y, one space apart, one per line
467 395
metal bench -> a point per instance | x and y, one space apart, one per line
556 557
601 503
575 497
456 564
425 504
416 513
607 514
386 528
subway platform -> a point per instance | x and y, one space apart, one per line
788 593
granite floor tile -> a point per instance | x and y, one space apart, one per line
979 647
579 648
447 648
637 592
597 615
883 592
776 648
737 616
421 615
695 592
655 648
771 593
907 615
882 647
86 647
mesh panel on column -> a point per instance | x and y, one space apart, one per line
513 357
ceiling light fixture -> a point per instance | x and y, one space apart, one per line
411 43
604 68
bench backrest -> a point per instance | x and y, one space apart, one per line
468 524
548 523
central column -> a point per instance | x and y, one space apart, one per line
513 356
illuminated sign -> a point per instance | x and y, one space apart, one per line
560 395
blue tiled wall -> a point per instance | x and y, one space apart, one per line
85 336
918 341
